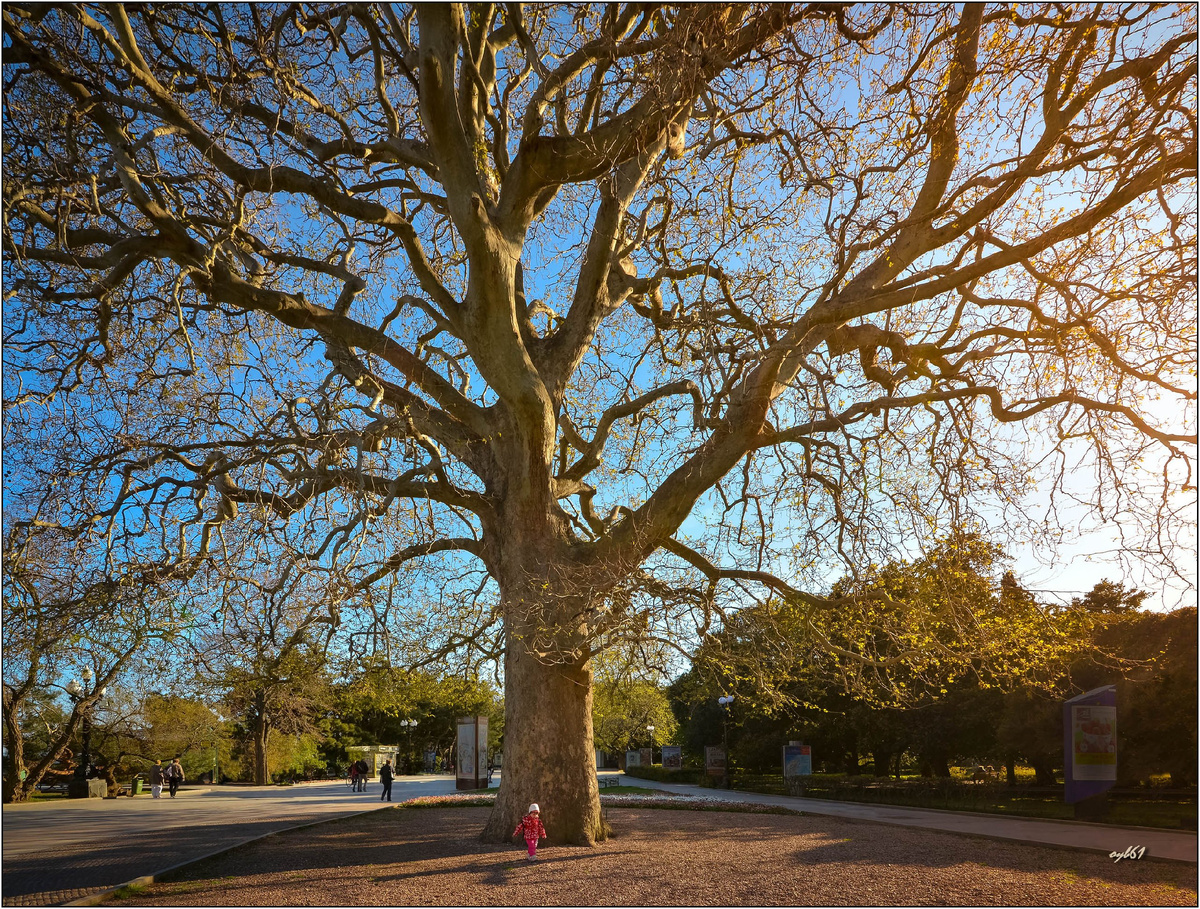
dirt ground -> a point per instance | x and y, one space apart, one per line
433 857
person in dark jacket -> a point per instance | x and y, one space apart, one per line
174 774
385 777
363 770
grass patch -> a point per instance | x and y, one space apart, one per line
613 797
1151 808
177 887
1162 812
634 790
126 892
693 803
38 796
472 800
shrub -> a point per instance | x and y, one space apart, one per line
661 775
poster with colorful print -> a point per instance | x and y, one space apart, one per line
1094 742
1089 744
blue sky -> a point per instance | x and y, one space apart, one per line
550 259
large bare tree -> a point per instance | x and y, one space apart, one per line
610 315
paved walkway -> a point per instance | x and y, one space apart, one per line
62 850
1175 845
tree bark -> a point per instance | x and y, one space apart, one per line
882 761
851 762
14 790
941 765
549 756
262 730
1043 769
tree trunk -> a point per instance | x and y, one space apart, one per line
850 765
548 752
262 730
15 789
882 760
1010 770
14 743
1043 769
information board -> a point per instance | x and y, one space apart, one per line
714 760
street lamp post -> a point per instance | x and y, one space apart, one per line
79 694
408 727
216 779
650 729
725 702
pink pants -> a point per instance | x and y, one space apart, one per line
532 844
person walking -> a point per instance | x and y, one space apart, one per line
531 827
354 776
385 777
363 770
156 779
175 776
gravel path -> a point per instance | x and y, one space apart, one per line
433 856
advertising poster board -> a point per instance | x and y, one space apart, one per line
464 766
714 760
672 757
470 768
633 759
647 757
1090 743
481 748
797 760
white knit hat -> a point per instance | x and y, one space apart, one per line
533 808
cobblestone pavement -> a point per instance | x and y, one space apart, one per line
59 851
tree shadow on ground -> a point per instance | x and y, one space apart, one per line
495 871
850 840
426 851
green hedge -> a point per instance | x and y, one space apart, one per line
659 775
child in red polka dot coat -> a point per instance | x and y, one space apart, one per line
532 829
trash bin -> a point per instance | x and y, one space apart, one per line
135 788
